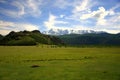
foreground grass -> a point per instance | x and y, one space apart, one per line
59 63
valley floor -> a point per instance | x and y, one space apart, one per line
45 63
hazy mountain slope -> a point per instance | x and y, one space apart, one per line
91 39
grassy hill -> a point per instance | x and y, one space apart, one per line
29 38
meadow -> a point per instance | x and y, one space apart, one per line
46 63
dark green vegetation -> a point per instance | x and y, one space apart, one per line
92 39
1 37
36 63
29 38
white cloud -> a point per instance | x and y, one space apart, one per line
115 19
62 3
112 31
6 27
24 7
34 7
62 16
108 29
111 25
10 13
83 5
20 6
52 22
60 22
80 27
111 21
111 11
100 15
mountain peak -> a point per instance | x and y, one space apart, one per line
67 31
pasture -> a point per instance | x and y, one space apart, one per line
37 63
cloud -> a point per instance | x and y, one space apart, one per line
52 22
83 5
2 1
6 27
110 24
22 8
112 10
34 7
62 16
95 14
62 4
99 15
108 17
10 13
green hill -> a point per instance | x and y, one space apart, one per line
29 38
91 39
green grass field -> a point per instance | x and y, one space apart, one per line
59 63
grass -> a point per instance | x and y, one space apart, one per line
16 63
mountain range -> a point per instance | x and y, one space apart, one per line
66 31
60 37
85 37
91 39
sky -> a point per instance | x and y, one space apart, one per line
98 15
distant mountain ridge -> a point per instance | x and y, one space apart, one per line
91 39
66 31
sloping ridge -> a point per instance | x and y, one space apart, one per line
29 38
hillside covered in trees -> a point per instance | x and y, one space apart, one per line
91 39
29 38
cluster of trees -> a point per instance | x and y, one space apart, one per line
29 38
91 39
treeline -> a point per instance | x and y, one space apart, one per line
103 39
29 38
